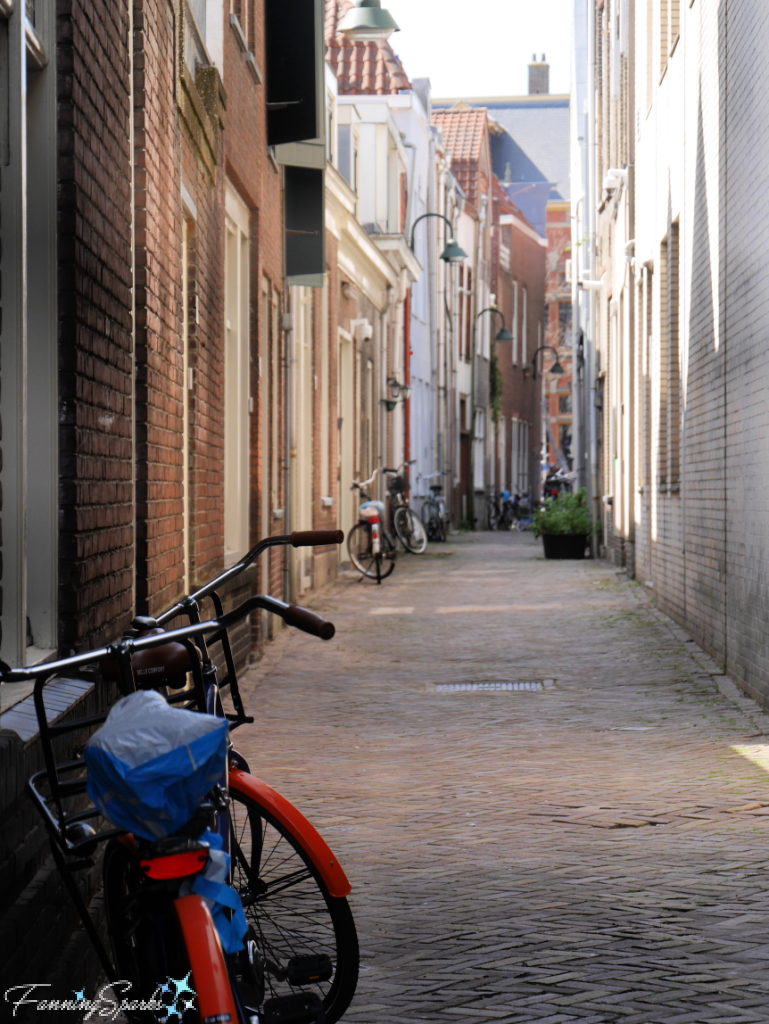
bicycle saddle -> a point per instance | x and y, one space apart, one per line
161 666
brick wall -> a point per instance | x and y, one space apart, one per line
703 547
95 362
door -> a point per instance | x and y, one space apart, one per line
347 498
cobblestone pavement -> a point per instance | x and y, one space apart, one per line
593 851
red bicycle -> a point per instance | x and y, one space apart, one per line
300 958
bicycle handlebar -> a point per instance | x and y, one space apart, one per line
293 615
364 483
315 538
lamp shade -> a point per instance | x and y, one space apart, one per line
557 369
367 20
453 253
504 335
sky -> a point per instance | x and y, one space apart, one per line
482 48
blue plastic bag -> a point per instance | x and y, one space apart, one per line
150 764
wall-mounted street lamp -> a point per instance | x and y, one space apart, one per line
399 390
367 21
555 369
452 253
504 334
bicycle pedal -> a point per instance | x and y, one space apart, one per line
306 970
299 1008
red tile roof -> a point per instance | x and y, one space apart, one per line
464 131
369 69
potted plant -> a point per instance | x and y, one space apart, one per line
565 525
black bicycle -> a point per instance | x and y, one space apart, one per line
404 521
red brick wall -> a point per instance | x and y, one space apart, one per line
95 370
159 483
520 394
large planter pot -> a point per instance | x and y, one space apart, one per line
564 545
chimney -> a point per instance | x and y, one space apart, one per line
539 76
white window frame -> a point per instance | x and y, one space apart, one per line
30 381
236 377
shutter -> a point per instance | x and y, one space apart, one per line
305 233
294 70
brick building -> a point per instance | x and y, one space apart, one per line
530 157
519 273
143 350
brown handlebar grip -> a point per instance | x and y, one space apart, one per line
315 538
309 622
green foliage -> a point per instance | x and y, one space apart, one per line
495 385
568 513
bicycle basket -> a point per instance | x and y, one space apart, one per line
150 764
397 485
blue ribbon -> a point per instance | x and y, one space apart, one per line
231 930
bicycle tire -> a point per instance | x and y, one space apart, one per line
361 555
493 517
411 533
441 529
141 955
289 906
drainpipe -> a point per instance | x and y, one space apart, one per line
407 376
288 334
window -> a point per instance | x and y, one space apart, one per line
564 323
236 376
503 477
323 383
479 450
674 368
524 331
674 27
514 346
465 304
188 242
29 475
649 52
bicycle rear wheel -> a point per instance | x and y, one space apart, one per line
362 556
147 944
288 905
411 533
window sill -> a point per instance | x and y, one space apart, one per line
21 718
251 64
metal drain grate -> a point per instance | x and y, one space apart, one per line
529 684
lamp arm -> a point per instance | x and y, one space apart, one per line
493 309
422 217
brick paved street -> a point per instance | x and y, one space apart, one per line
595 851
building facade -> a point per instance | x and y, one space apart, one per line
679 278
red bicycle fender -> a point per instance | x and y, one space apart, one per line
209 972
295 822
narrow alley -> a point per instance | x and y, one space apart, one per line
592 848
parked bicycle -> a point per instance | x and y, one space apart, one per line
501 510
434 514
371 547
522 517
299 957
404 521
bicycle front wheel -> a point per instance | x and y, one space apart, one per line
411 533
362 556
493 518
290 908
